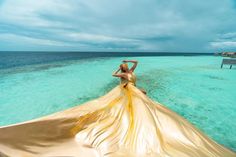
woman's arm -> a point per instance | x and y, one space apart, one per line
115 74
116 71
134 66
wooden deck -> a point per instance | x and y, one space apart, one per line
230 62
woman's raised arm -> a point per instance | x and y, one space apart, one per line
134 66
116 74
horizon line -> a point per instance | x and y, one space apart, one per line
197 52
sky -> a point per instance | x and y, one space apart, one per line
118 25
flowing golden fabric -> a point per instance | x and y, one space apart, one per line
122 123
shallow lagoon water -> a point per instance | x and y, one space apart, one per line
194 87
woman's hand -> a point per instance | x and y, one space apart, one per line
132 61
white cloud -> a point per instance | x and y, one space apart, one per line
30 40
96 38
225 41
224 44
27 12
189 25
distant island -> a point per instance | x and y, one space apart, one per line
226 54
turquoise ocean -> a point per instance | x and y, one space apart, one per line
195 87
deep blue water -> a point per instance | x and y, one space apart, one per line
14 59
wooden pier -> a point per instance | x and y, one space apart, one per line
230 62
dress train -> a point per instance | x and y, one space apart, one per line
124 122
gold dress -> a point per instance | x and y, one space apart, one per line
122 123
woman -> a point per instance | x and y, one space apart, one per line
127 74
122 123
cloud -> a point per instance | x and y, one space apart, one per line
228 44
31 40
225 42
131 25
